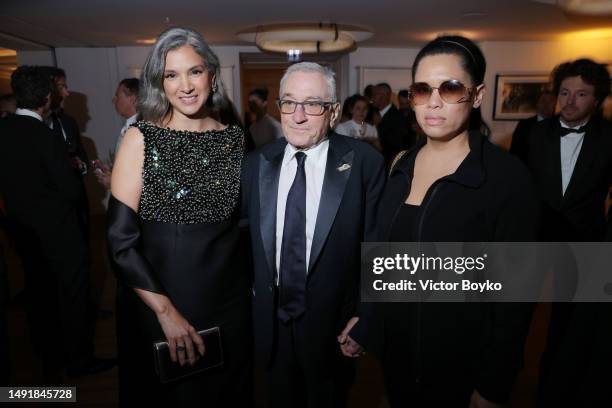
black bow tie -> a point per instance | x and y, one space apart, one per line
563 131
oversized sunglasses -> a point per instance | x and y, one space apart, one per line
451 91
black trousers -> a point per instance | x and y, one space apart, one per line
4 350
575 367
293 382
58 298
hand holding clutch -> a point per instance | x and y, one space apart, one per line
180 335
168 370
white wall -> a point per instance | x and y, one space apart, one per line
378 58
35 58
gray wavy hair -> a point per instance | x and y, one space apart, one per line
312 67
152 102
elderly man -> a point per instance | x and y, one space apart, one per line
310 200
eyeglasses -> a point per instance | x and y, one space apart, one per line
451 91
311 108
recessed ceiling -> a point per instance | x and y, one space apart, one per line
109 23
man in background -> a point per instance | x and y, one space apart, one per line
65 128
265 129
8 105
41 194
545 108
403 99
394 132
570 158
126 103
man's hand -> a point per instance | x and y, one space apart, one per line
104 178
348 346
478 401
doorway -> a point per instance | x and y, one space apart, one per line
260 70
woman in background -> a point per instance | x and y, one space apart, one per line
356 126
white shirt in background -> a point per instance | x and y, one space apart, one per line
357 130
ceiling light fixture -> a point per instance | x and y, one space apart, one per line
305 38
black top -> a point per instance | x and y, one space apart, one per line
490 198
403 228
190 177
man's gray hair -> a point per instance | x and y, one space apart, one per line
327 73
152 102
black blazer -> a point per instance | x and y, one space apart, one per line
520 136
36 180
73 140
579 214
354 180
394 133
490 198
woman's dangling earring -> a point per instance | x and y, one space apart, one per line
214 87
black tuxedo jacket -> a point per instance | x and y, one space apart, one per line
520 137
577 215
394 133
353 182
73 140
38 185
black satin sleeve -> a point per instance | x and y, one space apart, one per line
124 239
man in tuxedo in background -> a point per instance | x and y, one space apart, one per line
310 200
65 128
41 192
545 108
394 131
570 158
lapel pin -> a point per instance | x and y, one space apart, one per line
344 167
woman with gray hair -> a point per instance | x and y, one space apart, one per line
173 236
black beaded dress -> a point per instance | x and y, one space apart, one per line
184 243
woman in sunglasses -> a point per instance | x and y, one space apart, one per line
453 186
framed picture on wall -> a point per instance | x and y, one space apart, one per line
516 96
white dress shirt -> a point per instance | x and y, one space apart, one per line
385 110
27 112
314 167
129 121
571 144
